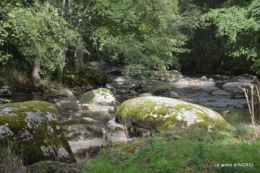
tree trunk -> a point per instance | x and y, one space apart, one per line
63 57
79 52
35 73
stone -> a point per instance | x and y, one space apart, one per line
235 85
64 100
101 96
155 113
34 127
145 94
116 132
174 95
169 76
185 81
84 138
5 92
218 92
245 78
100 116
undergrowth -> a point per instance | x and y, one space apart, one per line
195 151
10 162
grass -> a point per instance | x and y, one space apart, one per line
195 151
10 162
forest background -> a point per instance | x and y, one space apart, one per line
43 39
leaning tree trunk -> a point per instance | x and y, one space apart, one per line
35 73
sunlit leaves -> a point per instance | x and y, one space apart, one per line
39 32
239 26
145 34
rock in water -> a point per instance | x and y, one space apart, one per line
155 113
101 96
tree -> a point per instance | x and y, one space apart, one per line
40 34
238 26
141 34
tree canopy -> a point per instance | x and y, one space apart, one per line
238 25
141 35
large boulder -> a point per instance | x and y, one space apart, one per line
150 114
101 96
34 128
84 135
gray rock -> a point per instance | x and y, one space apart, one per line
116 132
245 78
155 113
100 116
220 93
84 139
235 85
101 96
33 126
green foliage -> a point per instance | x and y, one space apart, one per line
39 31
239 27
142 34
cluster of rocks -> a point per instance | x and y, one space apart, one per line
214 91
93 122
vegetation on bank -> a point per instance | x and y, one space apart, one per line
190 151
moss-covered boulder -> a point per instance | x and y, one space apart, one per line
155 113
34 129
101 96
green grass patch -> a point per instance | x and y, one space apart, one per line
195 151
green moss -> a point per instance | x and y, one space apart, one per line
34 124
164 115
90 97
